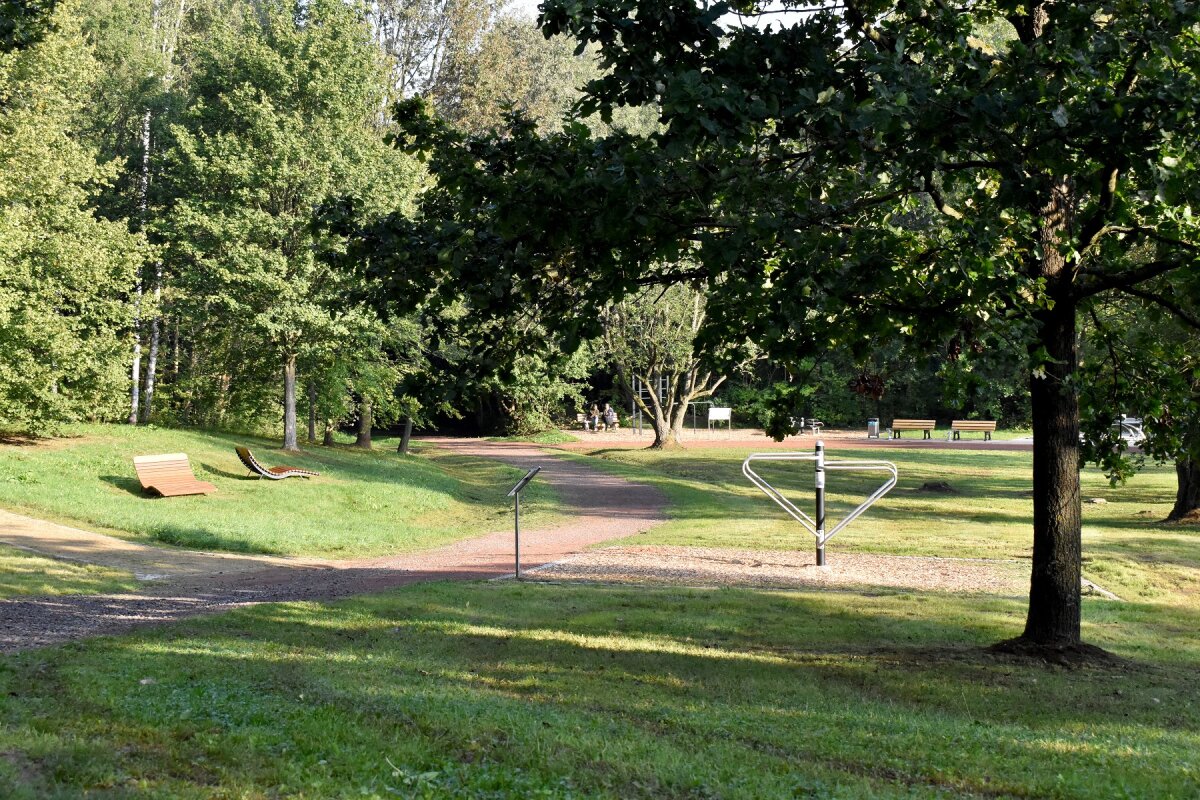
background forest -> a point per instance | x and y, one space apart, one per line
163 166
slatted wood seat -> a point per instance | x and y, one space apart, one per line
169 475
987 426
926 425
271 473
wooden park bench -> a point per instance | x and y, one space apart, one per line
960 425
926 425
169 475
272 473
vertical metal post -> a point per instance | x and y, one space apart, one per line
820 481
517 534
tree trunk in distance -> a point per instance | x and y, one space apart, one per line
327 439
312 412
406 437
363 439
1054 593
289 403
155 337
1187 497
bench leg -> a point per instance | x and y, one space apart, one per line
987 436
926 436
956 436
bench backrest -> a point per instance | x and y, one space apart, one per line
152 469
914 424
720 414
973 425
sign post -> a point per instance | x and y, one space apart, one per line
515 494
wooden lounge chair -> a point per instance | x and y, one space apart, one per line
169 475
273 473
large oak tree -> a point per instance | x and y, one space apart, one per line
868 169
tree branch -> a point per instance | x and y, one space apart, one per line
1184 316
1124 280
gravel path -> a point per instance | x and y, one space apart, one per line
601 507
714 566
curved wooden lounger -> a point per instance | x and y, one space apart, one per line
272 473
169 475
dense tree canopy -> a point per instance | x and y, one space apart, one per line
871 169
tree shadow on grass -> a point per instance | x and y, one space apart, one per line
201 539
128 485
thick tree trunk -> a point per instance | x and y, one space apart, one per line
1187 495
312 412
406 437
363 439
289 403
327 439
1054 593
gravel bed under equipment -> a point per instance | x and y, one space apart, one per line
710 566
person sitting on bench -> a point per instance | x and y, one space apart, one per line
610 417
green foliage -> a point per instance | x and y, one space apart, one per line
64 274
281 117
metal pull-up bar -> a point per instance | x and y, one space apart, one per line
817 527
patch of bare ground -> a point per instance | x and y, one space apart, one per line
1191 518
1074 655
710 566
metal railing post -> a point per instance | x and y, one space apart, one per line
820 481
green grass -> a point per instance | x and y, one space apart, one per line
497 690
502 690
363 504
23 573
714 505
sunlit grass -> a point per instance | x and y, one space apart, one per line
988 515
502 690
23 573
364 503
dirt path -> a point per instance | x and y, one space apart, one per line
601 507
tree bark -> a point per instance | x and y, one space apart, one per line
1054 593
1187 495
406 437
327 439
155 337
289 403
363 439
312 412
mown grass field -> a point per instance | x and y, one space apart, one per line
988 515
363 504
23 573
499 690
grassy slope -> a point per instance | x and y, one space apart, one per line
497 690
23 573
364 503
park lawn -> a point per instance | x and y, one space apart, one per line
495 690
23 573
1126 549
365 503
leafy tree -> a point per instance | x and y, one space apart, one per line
281 116
789 162
64 274
1138 359
24 23
650 337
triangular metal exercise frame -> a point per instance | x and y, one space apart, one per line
817 527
